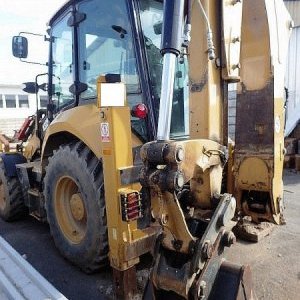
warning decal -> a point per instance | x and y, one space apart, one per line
105 132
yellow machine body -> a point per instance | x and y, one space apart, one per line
206 88
180 181
82 123
244 51
208 79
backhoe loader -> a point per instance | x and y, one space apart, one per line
131 154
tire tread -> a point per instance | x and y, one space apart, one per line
93 166
14 196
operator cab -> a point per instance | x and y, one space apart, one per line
92 38
123 37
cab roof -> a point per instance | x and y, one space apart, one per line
60 11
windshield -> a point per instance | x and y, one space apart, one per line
151 14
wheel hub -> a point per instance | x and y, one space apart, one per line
70 210
77 207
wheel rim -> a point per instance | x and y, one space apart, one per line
70 210
2 196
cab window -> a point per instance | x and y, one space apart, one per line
151 15
62 62
106 47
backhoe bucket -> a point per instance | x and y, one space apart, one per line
233 282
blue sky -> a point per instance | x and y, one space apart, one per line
23 15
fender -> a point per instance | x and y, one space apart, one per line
10 160
81 123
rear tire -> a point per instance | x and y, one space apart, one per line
12 205
75 205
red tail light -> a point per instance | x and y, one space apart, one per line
140 111
131 204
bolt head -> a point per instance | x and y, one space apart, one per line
179 154
207 250
229 238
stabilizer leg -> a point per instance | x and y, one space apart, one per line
125 283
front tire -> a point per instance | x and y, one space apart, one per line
12 205
75 205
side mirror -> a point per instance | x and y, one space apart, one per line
33 88
20 46
30 87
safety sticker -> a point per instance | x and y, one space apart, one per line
105 132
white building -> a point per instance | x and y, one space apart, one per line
15 106
293 67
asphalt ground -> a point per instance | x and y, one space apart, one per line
275 261
32 239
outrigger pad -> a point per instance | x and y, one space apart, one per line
233 282
252 232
